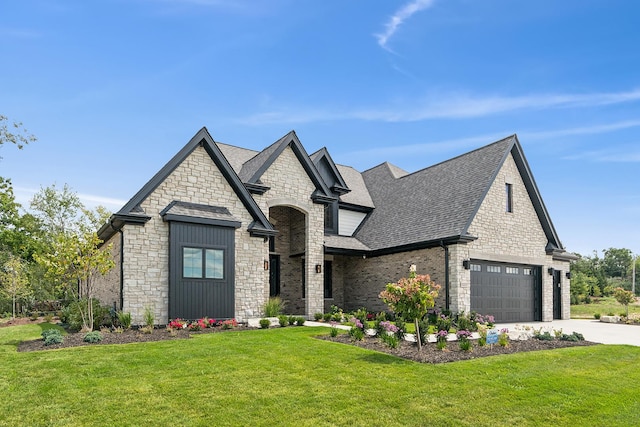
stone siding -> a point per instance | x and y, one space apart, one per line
146 266
512 237
107 287
291 186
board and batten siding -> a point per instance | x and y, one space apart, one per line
348 221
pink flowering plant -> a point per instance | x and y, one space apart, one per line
357 330
229 324
463 339
411 297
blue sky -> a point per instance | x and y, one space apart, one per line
114 88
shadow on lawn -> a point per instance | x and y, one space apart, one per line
383 359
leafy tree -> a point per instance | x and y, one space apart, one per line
411 298
77 259
20 234
616 262
14 133
14 281
59 211
624 297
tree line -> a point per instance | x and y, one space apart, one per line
598 276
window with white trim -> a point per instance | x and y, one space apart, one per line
494 269
512 270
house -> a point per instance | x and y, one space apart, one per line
221 228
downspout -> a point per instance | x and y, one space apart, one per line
446 273
121 268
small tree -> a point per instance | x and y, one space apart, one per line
624 297
411 298
14 281
78 259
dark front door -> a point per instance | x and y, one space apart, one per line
274 275
201 271
509 292
557 294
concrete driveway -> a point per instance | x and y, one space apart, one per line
593 330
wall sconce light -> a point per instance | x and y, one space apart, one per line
550 271
466 264
318 268
568 275
266 264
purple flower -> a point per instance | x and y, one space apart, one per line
463 334
504 331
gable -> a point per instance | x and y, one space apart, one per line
200 145
516 233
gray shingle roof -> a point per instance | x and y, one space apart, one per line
236 156
359 194
434 203
332 241
194 210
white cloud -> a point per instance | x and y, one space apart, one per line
24 195
398 18
617 155
442 106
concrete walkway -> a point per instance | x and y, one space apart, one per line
593 330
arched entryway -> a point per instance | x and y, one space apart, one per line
287 256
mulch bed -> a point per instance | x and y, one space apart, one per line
406 350
124 337
452 353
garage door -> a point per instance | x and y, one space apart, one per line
509 292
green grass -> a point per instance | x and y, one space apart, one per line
283 376
603 306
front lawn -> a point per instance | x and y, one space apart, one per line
602 306
284 376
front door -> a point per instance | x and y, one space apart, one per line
274 275
557 294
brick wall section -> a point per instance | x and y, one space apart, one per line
514 237
107 287
291 186
339 265
366 278
146 275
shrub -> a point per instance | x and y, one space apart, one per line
543 336
229 324
274 307
327 317
124 319
52 336
283 320
292 320
503 338
356 333
463 339
464 322
177 324
596 316
391 340
92 337
402 328
265 323
300 321
443 323
333 332
574 337
71 314
318 316
149 317
361 315
48 318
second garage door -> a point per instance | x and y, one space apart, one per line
509 292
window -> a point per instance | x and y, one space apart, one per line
509 194
494 269
512 270
200 263
476 267
526 271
